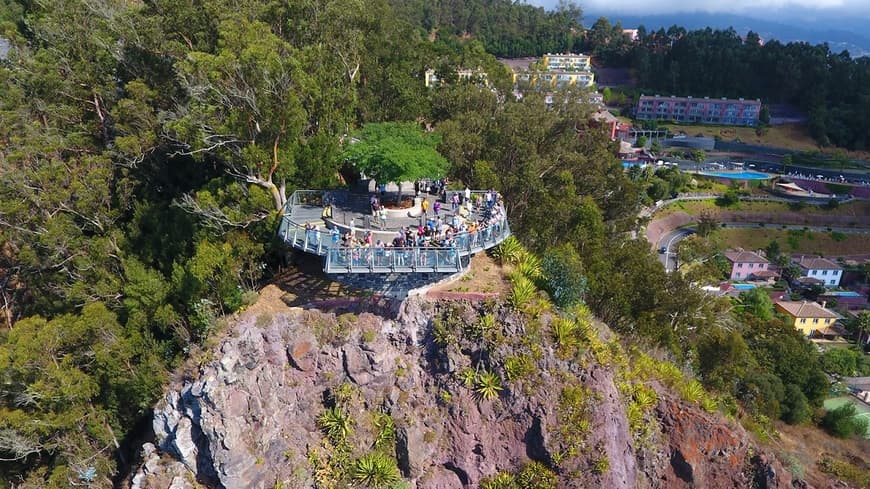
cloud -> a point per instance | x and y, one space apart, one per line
638 7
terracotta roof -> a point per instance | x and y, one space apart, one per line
832 330
765 274
811 281
739 256
817 263
806 309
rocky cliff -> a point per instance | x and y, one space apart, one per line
453 394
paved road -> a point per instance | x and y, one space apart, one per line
670 240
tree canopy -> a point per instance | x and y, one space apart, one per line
395 152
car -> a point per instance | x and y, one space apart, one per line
663 249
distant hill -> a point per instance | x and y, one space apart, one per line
796 26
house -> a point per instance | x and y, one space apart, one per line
737 112
822 269
746 265
807 316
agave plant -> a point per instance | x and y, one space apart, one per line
693 391
488 385
336 424
522 292
509 251
645 397
530 266
564 332
467 376
385 429
375 470
502 480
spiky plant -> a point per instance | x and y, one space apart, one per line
530 266
601 465
467 377
693 391
502 480
488 385
564 332
375 470
385 430
335 424
509 251
522 292
537 475
645 397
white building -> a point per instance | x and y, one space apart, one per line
822 269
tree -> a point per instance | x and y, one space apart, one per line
756 302
707 224
699 155
656 147
764 115
564 279
842 422
396 152
841 361
641 142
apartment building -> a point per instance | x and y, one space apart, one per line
566 62
737 112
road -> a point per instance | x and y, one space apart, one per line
670 240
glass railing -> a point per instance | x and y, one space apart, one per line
358 259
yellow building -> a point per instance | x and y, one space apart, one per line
566 62
807 316
556 79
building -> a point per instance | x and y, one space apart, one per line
556 79
431 78
746 265
825 271
566 62
553 71
807 316
737 112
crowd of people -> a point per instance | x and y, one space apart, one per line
473 221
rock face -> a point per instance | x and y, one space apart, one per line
250 418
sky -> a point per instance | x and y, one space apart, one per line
742 7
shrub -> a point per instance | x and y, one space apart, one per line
376 470
536 475
843 423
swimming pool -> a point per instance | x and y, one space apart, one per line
842 293
738 175
743 286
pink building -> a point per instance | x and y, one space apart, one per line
746 265
737 112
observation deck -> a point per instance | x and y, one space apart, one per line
334 224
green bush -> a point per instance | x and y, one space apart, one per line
843 423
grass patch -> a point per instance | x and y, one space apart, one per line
799 241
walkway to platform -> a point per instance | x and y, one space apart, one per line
335 224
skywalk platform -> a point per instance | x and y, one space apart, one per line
306 227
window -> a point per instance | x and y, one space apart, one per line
803 320
824 272
739 265
835 272
815 320
833 282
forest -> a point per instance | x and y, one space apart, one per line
147 149
830 88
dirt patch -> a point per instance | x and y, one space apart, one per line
806 445
485 277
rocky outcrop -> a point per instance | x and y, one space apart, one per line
250 418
